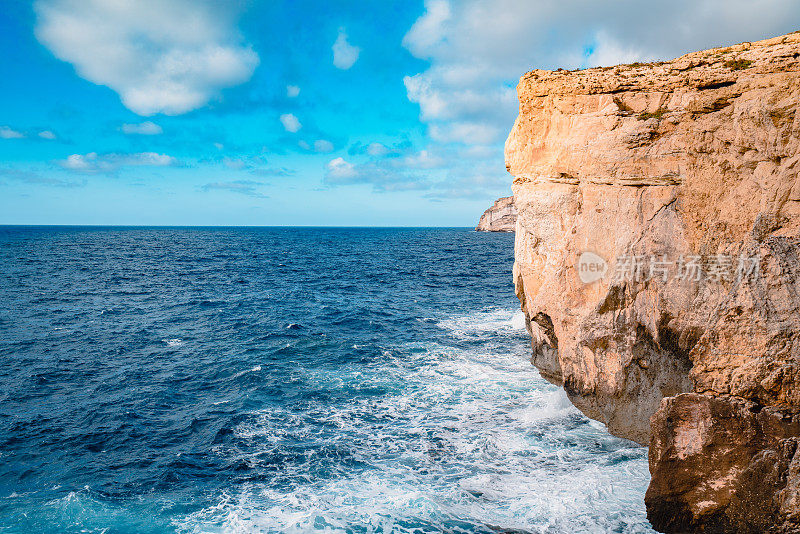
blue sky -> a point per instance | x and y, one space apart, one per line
300 113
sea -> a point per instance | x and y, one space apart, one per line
287 380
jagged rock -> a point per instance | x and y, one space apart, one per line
692 161
500 217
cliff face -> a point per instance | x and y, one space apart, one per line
500 217
658 264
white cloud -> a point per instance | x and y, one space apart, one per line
79 162
160 56
377 149
481 152
429 28
292 91
378 174
8 133
422 160
35 178
608 51
478 49
344 54
144 128
253 164
469 132
249 188
234 163
149 158
461 100
339 169
480 184
94 162
443 172
321 145
303 144
47 134
290 122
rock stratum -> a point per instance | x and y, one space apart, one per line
500 217
657 263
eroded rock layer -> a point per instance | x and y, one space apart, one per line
657 261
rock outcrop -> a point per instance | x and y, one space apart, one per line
658 265
500 217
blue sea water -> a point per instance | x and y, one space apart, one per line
287 380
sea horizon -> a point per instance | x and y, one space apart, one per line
377 227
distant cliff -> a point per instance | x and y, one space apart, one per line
658 265
500 217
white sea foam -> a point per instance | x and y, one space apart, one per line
498 320
254 369
173 342
464 440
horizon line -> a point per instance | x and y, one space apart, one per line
23 225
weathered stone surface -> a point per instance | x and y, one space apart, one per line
500 217
721 465
698 156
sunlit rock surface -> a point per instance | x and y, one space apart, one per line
655 173
500 217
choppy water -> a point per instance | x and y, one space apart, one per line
286 380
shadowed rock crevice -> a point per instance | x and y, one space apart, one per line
545 348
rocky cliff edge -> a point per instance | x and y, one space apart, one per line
500 217
657 264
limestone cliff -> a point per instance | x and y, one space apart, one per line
500 217
658 265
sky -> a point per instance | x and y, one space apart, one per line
323 113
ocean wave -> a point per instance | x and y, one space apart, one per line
493 321
465 441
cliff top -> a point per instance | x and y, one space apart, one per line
712 68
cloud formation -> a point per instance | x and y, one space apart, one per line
382 178
442 174
9 133
377 149
160 56
290 122
98 163
143 128
323 145
30 177
256 165
243 187
344 54
478 49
